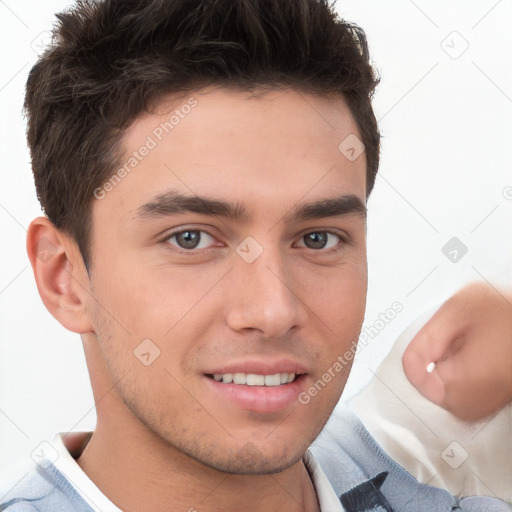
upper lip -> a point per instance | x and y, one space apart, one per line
261 367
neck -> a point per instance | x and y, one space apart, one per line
139 471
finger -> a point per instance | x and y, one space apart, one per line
428 383
430 347
435 339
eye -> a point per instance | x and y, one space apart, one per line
190 239
321 240
196 239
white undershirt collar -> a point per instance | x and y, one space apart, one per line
68 466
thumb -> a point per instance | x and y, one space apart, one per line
431 344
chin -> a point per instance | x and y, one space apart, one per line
250 460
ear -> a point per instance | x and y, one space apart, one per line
60 274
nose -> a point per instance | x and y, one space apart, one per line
264 296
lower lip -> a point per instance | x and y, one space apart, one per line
263 399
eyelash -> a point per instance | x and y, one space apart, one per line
192 252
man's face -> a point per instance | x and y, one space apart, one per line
273 285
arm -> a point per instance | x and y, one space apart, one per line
470 341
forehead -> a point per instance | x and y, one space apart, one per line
218 143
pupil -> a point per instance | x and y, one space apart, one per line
188 239
316 240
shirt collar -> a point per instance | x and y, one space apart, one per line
68 466
327 498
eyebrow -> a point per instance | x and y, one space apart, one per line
173 203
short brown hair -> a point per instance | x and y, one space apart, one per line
109 60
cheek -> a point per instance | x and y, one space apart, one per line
143 297
341 308
338 296
158 303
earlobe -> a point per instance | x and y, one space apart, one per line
60 274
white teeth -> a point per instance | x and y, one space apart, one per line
240 378
253 379
273 380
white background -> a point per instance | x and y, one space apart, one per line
446 172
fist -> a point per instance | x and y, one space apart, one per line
469 340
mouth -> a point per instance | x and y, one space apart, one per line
254 379
257 392
258 385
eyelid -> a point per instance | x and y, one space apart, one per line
343 240
177 231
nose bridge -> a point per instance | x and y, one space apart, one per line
263 292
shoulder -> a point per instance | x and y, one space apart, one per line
21 491
41 489
354 463
359 470
22 506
